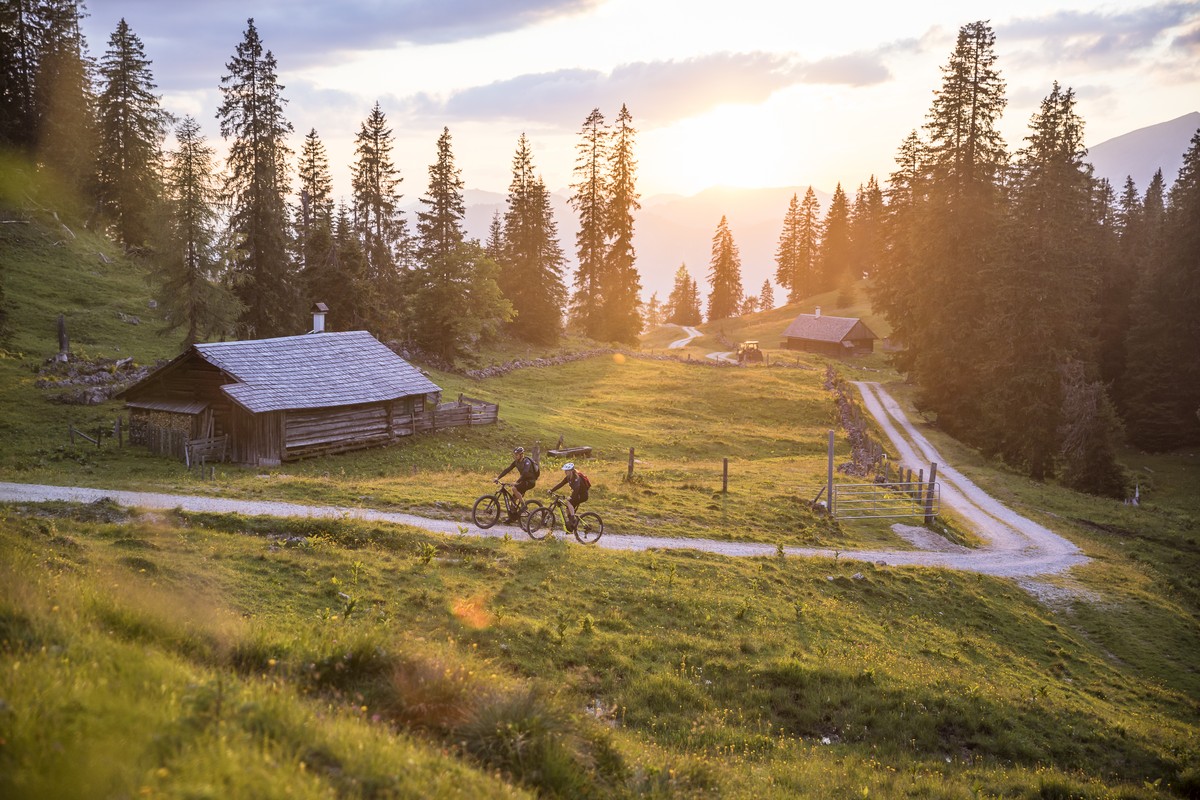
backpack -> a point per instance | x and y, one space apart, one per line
535 469
584 483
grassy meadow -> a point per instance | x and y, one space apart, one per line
186 655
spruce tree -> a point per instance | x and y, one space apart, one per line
766 296
789 271
65 106
530 258
494 246
130 129
380 223
654 312
313 237
866 229
679 301
1118 287
314 215
834 257
1163 379
455 295
590 200
251 116
21 28
1046 290
897 275
621 285
1089 435
190 257
950 238
724 275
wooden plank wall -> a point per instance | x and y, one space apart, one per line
324 431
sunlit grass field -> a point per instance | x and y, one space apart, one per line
184 655
188 655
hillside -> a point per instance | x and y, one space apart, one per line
326 658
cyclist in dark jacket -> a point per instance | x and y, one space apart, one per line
579 491
527 470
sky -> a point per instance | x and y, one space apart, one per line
752 93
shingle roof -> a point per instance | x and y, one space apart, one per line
173 406
314 371
825 329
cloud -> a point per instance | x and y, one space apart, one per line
191 41
658 92
1100 39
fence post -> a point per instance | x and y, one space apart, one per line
71 433
725 476
629 474
929 494
537 452
99 433
829 477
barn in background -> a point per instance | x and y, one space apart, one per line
830 336
265 401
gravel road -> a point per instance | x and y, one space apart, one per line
1014 546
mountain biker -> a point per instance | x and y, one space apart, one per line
579 491
528 471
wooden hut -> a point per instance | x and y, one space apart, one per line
266 401
830 336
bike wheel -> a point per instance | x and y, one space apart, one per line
589 527
486 511
531 507
540 523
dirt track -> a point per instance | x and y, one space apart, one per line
1015 546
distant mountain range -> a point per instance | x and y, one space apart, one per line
673 229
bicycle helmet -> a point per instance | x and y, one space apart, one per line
567 467
518 451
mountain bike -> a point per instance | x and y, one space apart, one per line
486 511
541 522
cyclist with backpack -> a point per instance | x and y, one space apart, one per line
579 491
528 472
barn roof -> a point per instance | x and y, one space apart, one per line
827 329
314 371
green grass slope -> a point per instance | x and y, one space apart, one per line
219 656
198 655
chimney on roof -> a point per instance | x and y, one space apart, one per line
319 310
817 313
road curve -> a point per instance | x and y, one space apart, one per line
1014 545
692 333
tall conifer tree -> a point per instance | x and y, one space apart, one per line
21 27
1046 290
683 303
766 296
375 182
65 106
621 289
455 295
589 198
130 126
834 259
251 115
530 257
724 275
1163 394
192 292
947 244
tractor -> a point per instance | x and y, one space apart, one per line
748 353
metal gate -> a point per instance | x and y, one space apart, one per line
886 500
